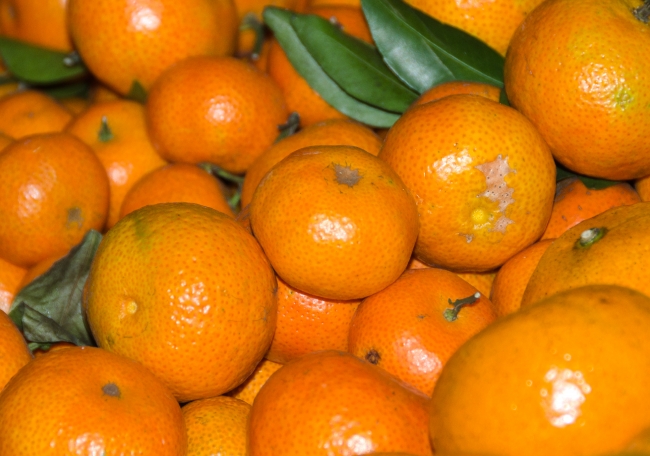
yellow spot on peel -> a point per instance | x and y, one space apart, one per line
480 216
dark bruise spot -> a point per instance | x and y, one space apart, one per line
111 389
75 217
373 356
421 317
345 175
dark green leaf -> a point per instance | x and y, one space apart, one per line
353 64
49 309
279 21
290 127
73 89
137 93
503 98
592 183
37 65
424 52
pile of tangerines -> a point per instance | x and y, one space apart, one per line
277 278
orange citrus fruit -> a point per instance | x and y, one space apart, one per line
216 425
117 132
492 21
574 202
14 353
332 132
512 278
412 327
359 408
136 40
40 22
308 323
55 189
609 248
171 279
85 400
335 222
252 385
579 71
446 89
482 177
550 377
215 109
29 112
176 183
10 279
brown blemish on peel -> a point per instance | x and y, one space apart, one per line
372 356
345 175
75 217
111 389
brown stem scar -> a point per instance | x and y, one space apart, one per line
346 175
111 389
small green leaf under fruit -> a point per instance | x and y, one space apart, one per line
279 21
424 52
37 65
137 92
592 183
49 309
356 66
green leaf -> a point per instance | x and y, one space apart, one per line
290 127
37 65
137 92
356 66
72 89
424 52
592 183
49 309
279 21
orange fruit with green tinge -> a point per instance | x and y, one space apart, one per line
14 352
55 189
335 222
359 408
481 175
117 132
136 40
220 110
609 248
187 292
578 70
550 377
332 132
413 326
216 424
85 400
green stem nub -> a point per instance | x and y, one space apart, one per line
105 134
452 314
642 13
590 237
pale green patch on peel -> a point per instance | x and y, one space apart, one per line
623 98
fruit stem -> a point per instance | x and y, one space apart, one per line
642 13
289 127
452 314
590 237
105 134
